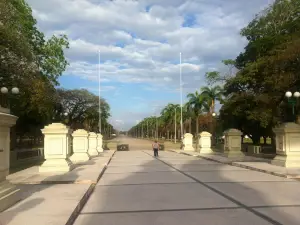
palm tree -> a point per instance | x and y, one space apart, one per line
211 95
196 105
168 118
168 115
189 114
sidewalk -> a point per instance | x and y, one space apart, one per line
251 163
53 199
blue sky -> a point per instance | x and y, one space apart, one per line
140 43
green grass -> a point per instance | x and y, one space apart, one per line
248 140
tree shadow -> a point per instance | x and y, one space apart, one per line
7 216
178 189
41 198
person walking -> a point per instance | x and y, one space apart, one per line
155 147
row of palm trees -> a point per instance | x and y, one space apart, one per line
197 115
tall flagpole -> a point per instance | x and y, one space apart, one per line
181 128
99 77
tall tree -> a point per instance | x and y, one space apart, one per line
211 95
81 107
216 77
30 62
268 67
196 104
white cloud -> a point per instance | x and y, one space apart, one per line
105 88
140 40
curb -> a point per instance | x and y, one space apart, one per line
57 182
236 164
86 196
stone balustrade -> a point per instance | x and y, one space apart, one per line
188 142
64 148
80 146
93 144
205 143
233 143
9 194
99 143
287 145
57 148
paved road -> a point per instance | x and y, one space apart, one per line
175 189
134 143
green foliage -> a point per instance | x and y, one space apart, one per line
197 105
268 67
212 77
211 95
34 64
82 108
24 50
258 78
215 77
52 60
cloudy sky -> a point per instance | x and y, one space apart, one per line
140 42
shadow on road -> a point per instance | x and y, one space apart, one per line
40 200
178 189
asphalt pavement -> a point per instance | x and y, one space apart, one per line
177 189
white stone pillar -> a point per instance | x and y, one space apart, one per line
205 143
233 143
57 148
93 144
9 194
287 145
80 146
188 142
99 143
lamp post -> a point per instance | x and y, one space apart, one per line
156 128
5 95
214 128
181 124
99 92
65 117
292 99
175 122
147 129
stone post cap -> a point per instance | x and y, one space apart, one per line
92 134
56 128
233 132
7 120
188 135
287 128
80 133
99 135
205 134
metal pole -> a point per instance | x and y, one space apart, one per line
293 109
156 129
181 128
99 77
175 126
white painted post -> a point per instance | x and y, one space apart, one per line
287 145
57 148
99 143
9 194
188 142
80 146
233 143
93 144
205 143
